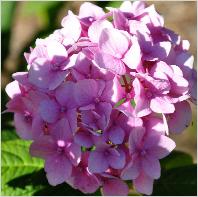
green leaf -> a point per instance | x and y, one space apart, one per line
176 159
181 181
120 102
16 162
114 4
133 103
39 10
8 135
7 8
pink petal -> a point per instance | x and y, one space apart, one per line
56 52
115 187
144 184
110 63
161 105
118 91
12 89
133 56
72 27
159 146
16 104
96 28
88 9
113 42
58 169
155 124
181 118
39 51
142 107
97 162
119 20
127 6
39 73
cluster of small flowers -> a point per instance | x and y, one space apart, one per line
100 96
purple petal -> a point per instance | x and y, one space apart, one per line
64 94
119 20
74 153
21 77
49 111
97 162
71 115
23 126
58 169
131 171
181 118
179 85
115 187
43 147
61 130
161 50
115 161
16 104
84 139
151 166
144 184
104 110
116 135
135 138
57 78
85 181
85 91
38 126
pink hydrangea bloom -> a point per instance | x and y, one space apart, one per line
100 96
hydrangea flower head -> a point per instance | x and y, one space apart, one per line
100 96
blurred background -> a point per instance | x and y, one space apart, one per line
23 22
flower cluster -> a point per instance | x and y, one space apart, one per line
100 96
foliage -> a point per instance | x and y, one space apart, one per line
23 175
